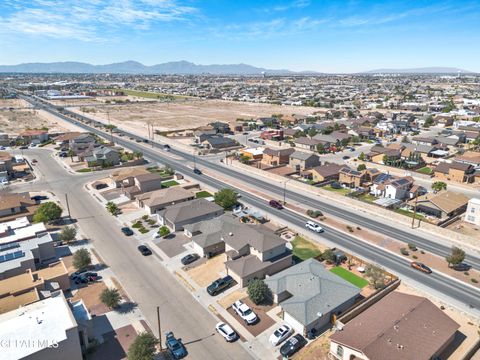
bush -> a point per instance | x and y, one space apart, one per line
412 247
328 255
359 228
143 348
81 259
143 230
314 213
164 231
110 297
47 212
68 234
349 228
258 291
226 198
415 257
137 225
145 217
474 280
466 273
422 252
404 251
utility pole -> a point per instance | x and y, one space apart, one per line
68 207
194 161
159 328
415 210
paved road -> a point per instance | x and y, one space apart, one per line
144 278
446 287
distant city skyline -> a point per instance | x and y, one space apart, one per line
327 36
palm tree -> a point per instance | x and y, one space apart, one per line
71 153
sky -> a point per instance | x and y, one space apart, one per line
319 35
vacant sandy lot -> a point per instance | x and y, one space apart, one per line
13 103
186 114
16 121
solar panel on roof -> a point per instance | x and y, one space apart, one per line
2 258
9 256
9 246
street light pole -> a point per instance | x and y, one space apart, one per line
285 191
159 328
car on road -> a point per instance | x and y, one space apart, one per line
245 312
220 285
292 345
197 171
39 197
144 250
461 267
281 334
352 149
23 147
175 346
421 267
346 157
166 147
62 154
34 161
190 258
226 331
127 231
245 133
313 226
275 204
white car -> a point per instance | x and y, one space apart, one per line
244 311
313 226
226 331
281 334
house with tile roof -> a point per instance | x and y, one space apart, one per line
398 327
442 205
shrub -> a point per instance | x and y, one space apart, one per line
350 229
258 291
143 230
314 213
422 252
328 255
404 251
68 234
415 257
359 228
137 225
110 297
466 273
164 231
145 217
474 280
412 247
81 259
144 347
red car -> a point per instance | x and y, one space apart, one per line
275 204
421 267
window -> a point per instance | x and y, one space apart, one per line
340 351
472 210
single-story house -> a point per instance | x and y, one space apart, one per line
218 142
14 203
307 143
34 136
126 177
188 212
324 172
397 327
154 201
442 205
310 296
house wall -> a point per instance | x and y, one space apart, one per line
297 326
378 159
456 175
348 353
472 214
24 266
146 186
67 349
10 211
267 255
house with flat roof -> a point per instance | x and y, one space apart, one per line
154 201
251 251
14 203
472 214
310 296
20 229
46 328
397 327
18 257
31 286
177 216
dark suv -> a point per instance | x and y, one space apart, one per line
220 285
293 344
275 204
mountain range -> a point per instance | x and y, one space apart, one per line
188 68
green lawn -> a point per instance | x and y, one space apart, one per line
84 170
202 194
304 249
340 191
425 170
409 214
169 183
150 95
349 276
367 197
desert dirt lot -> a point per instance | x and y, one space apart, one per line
186 114
16 121
13 103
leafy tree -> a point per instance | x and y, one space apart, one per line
68 233
137 154
110 297
167 169
312 132
81 259
428 122
164 231
439 185
112 208
70 153
321 149
226 198
361 167
456 257
361 156
328 255
47 212
405 139
376 275
143 348
244 159
385 159
258 291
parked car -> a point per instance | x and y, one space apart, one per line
292 345
62 154
313 226
34 161
281 334
352 149
245 312
346 157
24 147
275 204
175 346
78 273
190 258
421 267
220 285
461 267
336 185
39 197
226 331
86 277
145 251
197 171
127 231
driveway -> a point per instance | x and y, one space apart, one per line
207 272
173 245
264 322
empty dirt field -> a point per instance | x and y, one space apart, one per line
15 121
13 103
186 114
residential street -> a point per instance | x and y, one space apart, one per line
144 278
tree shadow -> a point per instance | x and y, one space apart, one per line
126 307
